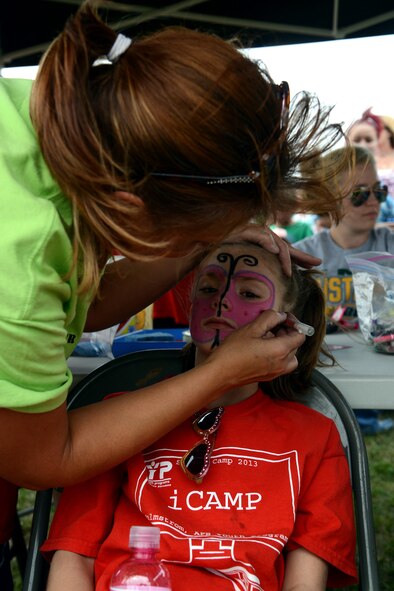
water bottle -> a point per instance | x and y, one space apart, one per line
143 571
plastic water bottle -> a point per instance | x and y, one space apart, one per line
143 571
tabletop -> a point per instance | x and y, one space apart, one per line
365 377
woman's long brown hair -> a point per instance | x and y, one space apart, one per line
177 101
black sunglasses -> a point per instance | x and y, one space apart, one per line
195 463
361 195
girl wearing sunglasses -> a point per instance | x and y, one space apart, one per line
252 492
355 231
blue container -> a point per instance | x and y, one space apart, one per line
140 340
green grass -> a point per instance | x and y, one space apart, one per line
381 461
381 464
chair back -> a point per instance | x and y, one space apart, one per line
324 391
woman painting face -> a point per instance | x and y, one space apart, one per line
234 285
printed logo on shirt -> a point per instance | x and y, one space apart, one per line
338 289
247 511
71 338
158 473
198 500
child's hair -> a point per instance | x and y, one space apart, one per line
349 157
335 170
304 298
180 102
353 155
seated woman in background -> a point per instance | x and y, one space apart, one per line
355 232
267 473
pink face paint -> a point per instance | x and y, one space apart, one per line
217 312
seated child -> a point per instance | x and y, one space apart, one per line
251 494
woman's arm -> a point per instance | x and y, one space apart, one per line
58 448
71 572
304 571
130 286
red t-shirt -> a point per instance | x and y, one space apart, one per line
278 480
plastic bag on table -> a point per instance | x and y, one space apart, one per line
96 344
373 281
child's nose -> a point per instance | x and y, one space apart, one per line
223 302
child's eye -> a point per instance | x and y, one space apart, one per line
249 294
207 289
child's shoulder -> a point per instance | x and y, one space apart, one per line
307 411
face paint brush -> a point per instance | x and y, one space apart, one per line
301 327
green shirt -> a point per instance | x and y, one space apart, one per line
296 231
41 316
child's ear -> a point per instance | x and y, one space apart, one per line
130 197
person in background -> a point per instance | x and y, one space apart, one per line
376 133
153 148
171 310
355 232
290 229
268 473
384 156
322 222
365 132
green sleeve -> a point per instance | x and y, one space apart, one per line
39 308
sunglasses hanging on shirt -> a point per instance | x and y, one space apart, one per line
195 463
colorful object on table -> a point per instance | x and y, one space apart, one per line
138 340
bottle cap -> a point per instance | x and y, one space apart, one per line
144 537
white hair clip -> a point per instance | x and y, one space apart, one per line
121 44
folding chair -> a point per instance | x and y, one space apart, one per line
129 372
324 391
142 368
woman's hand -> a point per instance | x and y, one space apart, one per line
267 239
255 353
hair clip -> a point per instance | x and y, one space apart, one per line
242 178
251 177
121 44
284 91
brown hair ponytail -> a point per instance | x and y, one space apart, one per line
177 101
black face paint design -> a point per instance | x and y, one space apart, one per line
224 257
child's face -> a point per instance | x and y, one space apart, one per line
234 285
